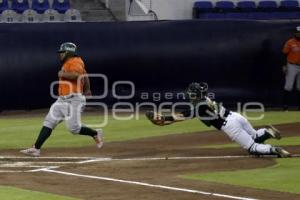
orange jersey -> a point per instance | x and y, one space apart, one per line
66 87
292 50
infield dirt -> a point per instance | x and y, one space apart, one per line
159 172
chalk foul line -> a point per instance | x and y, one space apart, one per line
146 184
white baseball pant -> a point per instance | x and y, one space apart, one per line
68 108
241 131
293 72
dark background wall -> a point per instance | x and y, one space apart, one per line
241 60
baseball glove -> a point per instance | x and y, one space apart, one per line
155 118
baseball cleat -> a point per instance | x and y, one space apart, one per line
99 138
31 152
273 132
280 152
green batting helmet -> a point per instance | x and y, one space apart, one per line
197 90
67 47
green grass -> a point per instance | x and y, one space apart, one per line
11 193
289 141
283 177
275 117
20 132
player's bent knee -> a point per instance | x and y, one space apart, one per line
74 129
288 88
49 124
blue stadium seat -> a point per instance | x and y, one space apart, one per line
289 5
72 15
201 7
225 6
204 6
246 6
237 15
246 9
213 15
261 15
61 6
9 16
51 15
20 6
287 15
267 6
30 16
40 6
3 6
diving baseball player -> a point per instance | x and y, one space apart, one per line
233 124
73 87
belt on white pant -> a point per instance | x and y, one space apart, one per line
227 113
69 96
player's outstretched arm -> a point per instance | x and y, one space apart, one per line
162 120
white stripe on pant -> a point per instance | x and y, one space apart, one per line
240 130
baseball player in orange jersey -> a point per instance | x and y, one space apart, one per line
292 69
72 91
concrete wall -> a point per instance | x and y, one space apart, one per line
165 9
118 8
172 9
135 13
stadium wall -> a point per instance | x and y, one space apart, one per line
241 60
118 8
165 9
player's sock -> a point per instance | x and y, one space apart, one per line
260 149
261 139
87 131
44 134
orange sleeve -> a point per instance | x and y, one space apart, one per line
75 67
287 47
